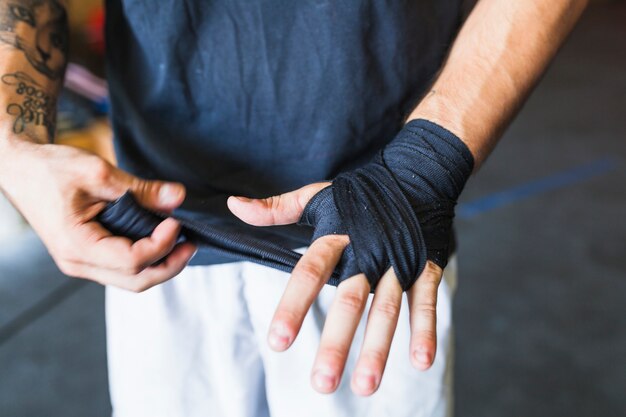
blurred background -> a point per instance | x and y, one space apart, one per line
541 304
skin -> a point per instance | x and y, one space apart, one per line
65 187
38 29
499 55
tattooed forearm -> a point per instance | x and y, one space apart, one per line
32 107
39 29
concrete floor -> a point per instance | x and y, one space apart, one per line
541 307
540 311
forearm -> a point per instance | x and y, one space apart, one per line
33 56
499 55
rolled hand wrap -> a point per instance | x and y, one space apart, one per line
398 209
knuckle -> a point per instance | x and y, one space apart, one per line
176 268
426 334
431 281
286 317
351 301
140 286
270 203
428 294
375 357
427 307
144 188
274 202
135 269
432 272
134 264
427 302
68 257
386 308
309 273
100 170
67 268
166 243
333 356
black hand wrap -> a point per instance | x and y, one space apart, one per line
398 209
125 217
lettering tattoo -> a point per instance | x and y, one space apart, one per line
36 107
39 29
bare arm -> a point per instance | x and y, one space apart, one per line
61 189
499 55
501 52
33 46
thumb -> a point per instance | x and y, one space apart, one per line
277 210
157 195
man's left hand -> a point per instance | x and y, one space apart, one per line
306 281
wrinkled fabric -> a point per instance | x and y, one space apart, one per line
398 209
126 217
196 346
257 98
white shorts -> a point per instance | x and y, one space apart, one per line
196 347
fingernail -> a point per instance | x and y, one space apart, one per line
279 337
324 381
366 382
421 356
169 194
278 342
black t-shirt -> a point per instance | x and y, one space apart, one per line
256 98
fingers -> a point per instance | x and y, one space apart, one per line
121 254
422 297
381 326
109 183
158 195
341 323
171 266
343 319
282 209
307 278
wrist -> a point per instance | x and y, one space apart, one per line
12 153
438 110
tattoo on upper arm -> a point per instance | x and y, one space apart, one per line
35 107
39 29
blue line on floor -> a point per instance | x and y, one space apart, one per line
562 179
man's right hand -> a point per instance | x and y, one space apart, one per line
60 190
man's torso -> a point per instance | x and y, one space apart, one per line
256 98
